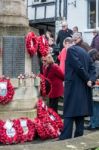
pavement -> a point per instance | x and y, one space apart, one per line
87 142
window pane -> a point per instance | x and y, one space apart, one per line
91 14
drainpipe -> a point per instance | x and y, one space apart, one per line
60 1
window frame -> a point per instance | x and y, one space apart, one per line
88 14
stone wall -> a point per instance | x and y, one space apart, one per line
13 18
13 12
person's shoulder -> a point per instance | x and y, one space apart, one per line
97 37
75 48
70 30
60 31
55 66
79 48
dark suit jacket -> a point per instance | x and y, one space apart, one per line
62 35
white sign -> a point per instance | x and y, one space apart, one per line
52 117
8 125
3 88
24 126
10 132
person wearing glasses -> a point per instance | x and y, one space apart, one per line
63 33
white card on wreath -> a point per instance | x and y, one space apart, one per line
3 88
23 123
52 117
8 124
10 132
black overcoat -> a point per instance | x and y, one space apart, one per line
79 69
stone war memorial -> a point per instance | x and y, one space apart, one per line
23 113
14 60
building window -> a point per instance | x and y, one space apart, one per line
91 14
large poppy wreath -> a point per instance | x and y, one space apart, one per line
6 91
48 124
31 43
43 45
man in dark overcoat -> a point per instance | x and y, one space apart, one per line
79 78
62 34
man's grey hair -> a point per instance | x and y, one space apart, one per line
76 36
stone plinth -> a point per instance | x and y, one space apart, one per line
24 101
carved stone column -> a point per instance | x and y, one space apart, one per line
13 17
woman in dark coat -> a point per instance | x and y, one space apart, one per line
53 72
79 77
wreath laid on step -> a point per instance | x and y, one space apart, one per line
9 132
55 119
43 46
17 131
6 91
31 43
48 124
28 130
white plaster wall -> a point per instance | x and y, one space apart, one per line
77 16
62 5
30 2
50 11
40 13
31 13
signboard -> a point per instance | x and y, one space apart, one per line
3 88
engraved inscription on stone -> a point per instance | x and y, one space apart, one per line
13 56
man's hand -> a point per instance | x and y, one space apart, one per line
89 83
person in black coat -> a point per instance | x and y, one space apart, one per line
80 76
62 34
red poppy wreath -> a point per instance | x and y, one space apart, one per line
28 129
45 85
6 91
55 119
41 109
9 133
31 43
45 129
43 46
